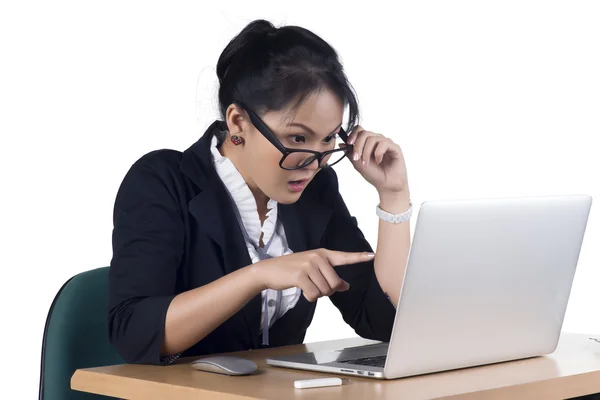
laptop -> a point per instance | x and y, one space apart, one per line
487 281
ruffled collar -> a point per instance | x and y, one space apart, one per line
243 198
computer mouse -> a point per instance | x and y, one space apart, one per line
226 365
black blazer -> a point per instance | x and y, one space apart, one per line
174 230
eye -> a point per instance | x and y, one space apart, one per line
329 138
298 139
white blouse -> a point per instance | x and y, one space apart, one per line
246 204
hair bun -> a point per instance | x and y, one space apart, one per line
259 27
253 33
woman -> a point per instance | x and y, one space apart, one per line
227 245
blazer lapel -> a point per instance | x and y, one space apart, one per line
212 209
212 206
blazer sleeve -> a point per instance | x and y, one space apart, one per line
147 242
365 307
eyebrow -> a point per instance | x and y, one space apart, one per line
297 124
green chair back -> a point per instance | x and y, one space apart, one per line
76 335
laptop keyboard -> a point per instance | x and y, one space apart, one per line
376 361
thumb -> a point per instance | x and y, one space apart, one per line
344 286
357 164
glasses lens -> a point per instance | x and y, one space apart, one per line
332 158
298 160
302 159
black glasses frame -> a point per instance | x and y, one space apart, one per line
318 155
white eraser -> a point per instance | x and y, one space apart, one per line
313 383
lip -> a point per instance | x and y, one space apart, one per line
298 186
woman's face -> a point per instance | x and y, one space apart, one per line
313 126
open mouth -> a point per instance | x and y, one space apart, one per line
305 180
298 186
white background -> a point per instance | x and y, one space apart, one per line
494 98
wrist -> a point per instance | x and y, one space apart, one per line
394 202
256 277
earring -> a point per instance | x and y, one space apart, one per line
237 140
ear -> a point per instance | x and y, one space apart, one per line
236 119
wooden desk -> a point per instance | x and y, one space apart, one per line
572 370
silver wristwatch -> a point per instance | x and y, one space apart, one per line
394 218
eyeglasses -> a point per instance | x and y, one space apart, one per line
294 159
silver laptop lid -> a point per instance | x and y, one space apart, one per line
486 281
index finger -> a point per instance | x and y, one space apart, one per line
337 258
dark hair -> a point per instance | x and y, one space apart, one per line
267 68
